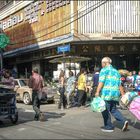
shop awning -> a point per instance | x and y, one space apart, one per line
40 45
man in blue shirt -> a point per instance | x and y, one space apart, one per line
95 80
96 77
109 88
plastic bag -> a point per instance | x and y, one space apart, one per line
128 97
98 104
134 107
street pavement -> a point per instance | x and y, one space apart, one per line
73 123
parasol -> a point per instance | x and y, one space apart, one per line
124 72
70 59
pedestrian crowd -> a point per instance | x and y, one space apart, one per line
132 79
106 82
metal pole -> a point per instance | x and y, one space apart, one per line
63 62
26 73
1 59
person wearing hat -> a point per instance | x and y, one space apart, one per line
36 82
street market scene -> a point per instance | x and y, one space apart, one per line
69 69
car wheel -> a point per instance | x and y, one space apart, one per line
26 99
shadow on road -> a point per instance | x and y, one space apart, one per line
134 124
53 115
131 123
23 117
118 125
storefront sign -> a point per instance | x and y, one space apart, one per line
85 48
134 48
65 48
12 21
97 48
29 13
52 5
110 48
122 48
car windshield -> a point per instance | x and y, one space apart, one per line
22 83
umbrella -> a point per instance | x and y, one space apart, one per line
123 72
70 59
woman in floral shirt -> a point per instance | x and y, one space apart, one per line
70 86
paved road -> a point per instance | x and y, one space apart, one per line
74 123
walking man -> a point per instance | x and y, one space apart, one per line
36 82
109 88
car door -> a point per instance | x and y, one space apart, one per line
16 89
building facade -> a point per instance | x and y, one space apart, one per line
110 28
36 29
92 28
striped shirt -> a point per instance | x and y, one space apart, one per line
110 77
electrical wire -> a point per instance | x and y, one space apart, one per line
64 20
90 10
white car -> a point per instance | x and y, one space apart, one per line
24 93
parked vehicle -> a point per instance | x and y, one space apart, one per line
8 109
24 93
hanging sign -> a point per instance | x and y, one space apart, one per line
4 40
64 48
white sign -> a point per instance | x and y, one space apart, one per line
30 13
12 21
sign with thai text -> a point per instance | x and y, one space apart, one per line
31 12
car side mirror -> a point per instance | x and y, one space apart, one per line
16 87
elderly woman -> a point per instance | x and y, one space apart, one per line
70 86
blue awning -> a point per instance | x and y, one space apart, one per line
40 45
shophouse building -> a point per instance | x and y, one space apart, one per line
91 28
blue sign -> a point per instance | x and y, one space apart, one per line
64 48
